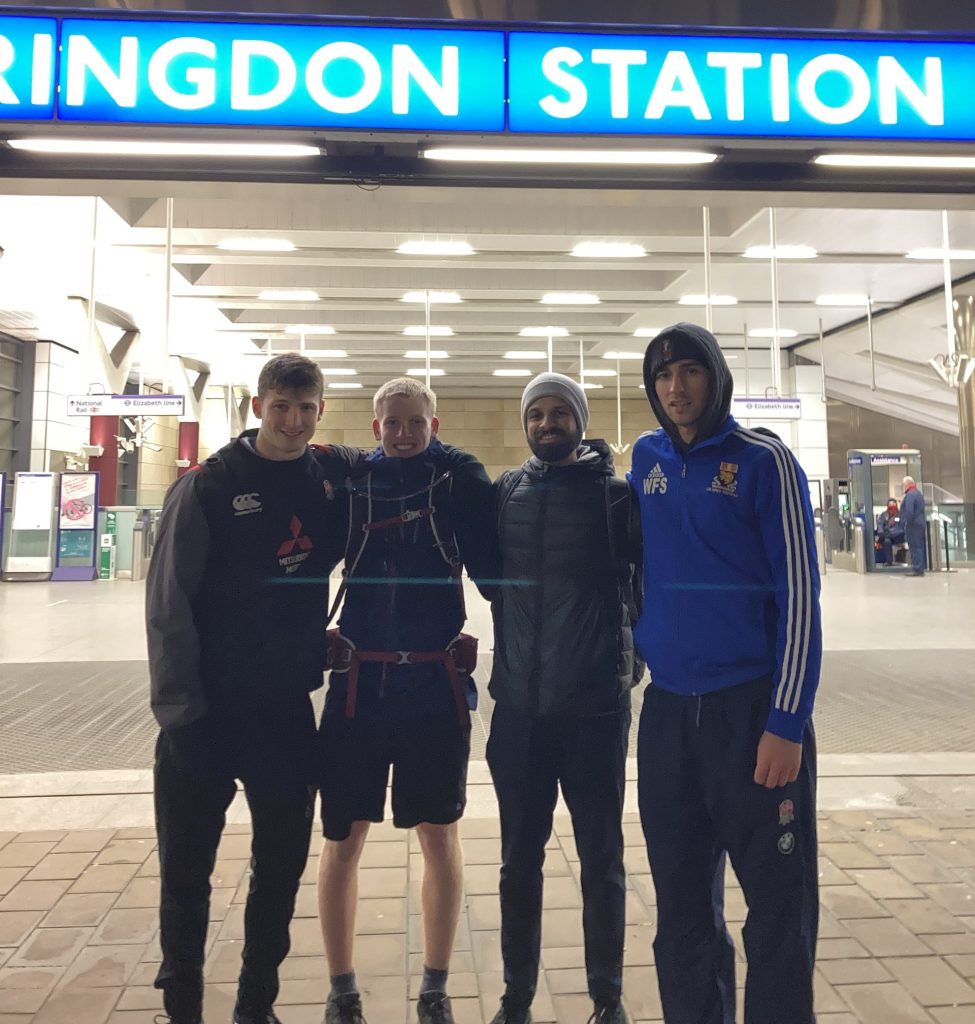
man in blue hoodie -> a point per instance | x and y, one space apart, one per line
730 631
398 693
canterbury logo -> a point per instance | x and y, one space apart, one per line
245 504
298 541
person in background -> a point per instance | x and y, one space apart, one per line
890 530
912 516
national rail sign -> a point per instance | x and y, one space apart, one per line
126 405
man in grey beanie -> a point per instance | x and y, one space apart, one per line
561 679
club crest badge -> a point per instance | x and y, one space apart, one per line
726 480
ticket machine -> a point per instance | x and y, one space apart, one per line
875 475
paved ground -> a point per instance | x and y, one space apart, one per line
896 721
93 715
78 926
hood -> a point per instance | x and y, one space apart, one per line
722 383
594 456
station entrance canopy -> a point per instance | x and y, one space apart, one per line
325 76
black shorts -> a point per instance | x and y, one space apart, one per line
427 751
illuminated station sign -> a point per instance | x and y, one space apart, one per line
138 71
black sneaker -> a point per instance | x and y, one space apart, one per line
609 1013
345 1009
509 1014
162 1018
434 1008
270 1017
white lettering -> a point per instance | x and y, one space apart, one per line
444 95
779 86
619 62
927 100
241 54
83 58
371 74
854 74
203 78
7 95
42 70
677 71
552 69
734 65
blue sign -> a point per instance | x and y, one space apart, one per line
721 86
27 58
171 72
196 72
857 460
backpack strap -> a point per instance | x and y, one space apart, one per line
362 524
360 515
618 519
503 489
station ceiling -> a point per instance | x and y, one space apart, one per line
339 244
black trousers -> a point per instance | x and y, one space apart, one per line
529 758
191 802
699 801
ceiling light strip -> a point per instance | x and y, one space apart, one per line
157 147
611 157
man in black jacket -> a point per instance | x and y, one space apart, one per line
236 598
563 669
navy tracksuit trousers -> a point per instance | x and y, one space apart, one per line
917 545
530 758
698 803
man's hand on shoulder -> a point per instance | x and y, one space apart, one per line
340 461
778 761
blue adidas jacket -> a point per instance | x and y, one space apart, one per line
731 582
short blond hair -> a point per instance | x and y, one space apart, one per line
404 387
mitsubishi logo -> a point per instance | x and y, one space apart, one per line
298 541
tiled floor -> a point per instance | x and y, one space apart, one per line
78 872
78 926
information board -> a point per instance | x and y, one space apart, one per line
76 506
33 501
77 524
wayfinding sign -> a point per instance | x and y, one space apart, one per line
221 73
126 405
761 408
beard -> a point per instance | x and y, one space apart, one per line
557 446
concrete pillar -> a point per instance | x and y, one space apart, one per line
103 431
964 307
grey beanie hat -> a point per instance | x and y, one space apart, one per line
557 385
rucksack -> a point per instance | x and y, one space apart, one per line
362 524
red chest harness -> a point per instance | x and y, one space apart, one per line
460 655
